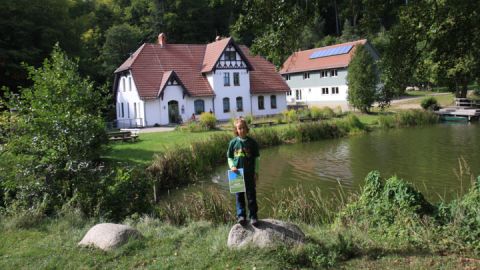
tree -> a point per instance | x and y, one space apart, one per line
121 41
362 80
58 134
447 34
29 31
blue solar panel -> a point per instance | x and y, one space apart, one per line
331 52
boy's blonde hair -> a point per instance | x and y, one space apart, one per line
237 122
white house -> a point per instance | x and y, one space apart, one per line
320 75
164 83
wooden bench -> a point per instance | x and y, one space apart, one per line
122 135
305 119
262 124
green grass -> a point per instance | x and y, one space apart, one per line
202 245
142 151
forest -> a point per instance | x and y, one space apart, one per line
425 43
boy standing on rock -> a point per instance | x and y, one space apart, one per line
243 154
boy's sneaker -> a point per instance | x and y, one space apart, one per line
254 222
242 221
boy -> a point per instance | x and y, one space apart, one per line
243 153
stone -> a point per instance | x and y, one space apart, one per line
108 236
267 233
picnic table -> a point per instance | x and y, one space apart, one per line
261 124
123 135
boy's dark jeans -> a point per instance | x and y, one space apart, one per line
252 203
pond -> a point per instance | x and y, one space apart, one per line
428 157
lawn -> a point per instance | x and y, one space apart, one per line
142 151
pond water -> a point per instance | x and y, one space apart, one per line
427 157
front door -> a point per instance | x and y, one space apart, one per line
173 114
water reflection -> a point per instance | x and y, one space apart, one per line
426 157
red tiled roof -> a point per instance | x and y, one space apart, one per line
151 66
300 61
212 54
264 78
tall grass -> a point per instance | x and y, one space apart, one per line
408 118
182 165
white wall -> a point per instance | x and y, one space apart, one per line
315 93
231 92
133 106
152 112
281 104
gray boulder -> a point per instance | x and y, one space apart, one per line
268 233
108 236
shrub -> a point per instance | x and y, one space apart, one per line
58 134
430 103
315 113
415 118
249 119
208 120
327 112
391 208
290 116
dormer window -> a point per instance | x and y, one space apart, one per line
230 55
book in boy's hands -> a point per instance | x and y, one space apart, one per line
236 181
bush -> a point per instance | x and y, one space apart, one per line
58 135
327 113
391 208
430 103
208 120
409 118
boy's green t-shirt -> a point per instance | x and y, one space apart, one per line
243 152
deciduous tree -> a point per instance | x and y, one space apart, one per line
362 80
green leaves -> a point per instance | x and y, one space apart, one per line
58 129
362 80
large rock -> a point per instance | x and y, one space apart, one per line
108 236
268 232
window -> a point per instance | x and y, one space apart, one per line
236 78
239 104
128 110
333 73
298 94
130 83
287 77
273 101
325 91
123 111
334 90
261 103
230 55
199 105
226 105
306 75
323 74
226 79
134 110
123 84
289 92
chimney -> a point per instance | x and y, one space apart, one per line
218 38
162 40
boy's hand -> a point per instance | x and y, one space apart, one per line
234 169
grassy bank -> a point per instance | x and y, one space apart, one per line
388 225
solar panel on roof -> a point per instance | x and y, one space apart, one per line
332 51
